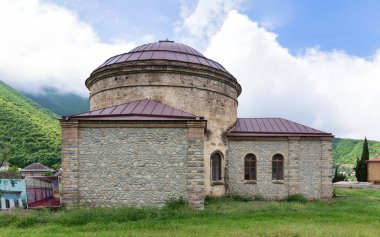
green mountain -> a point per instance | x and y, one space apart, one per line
61 104
29 130
347 151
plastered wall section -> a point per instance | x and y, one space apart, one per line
373 172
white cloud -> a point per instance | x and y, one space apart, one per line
332 91
43 45
202 20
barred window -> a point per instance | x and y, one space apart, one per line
216 167
278 167
250 167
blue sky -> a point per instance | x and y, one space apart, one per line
348 25
313 62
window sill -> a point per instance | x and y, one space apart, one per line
250 182
217 183
278 182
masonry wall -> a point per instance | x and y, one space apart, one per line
136 166
307 167
196 89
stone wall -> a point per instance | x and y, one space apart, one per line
134 166
196 89
307 167
263 150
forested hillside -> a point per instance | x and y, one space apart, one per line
347 151
31 131
61 104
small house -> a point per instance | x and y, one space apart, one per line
373 170
35 169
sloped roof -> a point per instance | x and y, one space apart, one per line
36 167
137 110
374 160
272 127
163 50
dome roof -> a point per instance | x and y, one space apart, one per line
164 50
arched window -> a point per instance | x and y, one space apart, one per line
278 167
250 167
216 167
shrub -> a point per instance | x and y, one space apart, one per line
175 203
13 169
259 197
297 198
48 173
240 198
339 176
56 166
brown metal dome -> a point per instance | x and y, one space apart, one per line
163 50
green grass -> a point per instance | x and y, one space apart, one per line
353 213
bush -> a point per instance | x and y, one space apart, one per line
233 197
297 198
175 203
13 169
339 176
56 166
48 173
259 197
240 198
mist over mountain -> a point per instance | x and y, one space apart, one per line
61 103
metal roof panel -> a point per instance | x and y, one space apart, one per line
143 109
272 127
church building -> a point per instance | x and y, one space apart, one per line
163 123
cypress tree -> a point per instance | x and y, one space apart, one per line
361 168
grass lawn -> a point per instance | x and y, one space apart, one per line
353 213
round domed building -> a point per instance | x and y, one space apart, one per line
163 124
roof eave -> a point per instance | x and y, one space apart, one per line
248 134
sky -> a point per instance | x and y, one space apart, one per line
313 62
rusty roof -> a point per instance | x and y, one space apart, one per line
145 109
272 127
163 50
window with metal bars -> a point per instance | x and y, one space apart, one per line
278 167
216 167
250 167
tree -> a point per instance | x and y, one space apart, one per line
5 154
48 173
13 169
361 168
339 176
